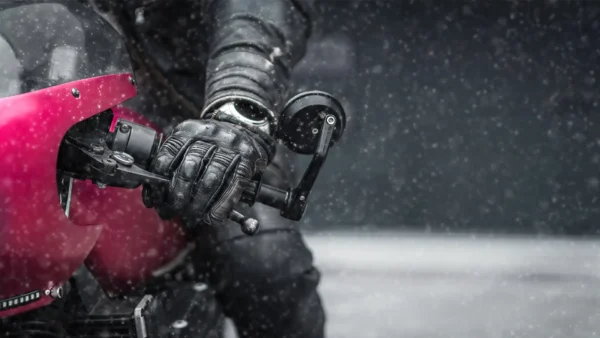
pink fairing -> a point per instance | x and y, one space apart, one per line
135 243
121 240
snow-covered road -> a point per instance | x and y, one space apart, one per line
406 285
384 285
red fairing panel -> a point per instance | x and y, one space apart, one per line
39 246
135 243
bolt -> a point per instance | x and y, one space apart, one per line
47 292
315 131
302 198
330 119
180 324
123 158
75 93
321 115
199 287
101 185
109 162
110 166
139 16
124 128
57 292
97 148
132 81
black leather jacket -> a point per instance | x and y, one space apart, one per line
191 53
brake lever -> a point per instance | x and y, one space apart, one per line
109 168
117 169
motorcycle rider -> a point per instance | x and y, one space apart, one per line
218 71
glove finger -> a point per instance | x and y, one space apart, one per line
156 197
185 177
170 154
240 180
165 212
153 196
224 206
212 185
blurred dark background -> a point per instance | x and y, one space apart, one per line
464 115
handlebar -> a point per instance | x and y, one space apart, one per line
310 123
122 168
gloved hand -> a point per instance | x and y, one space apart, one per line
211 163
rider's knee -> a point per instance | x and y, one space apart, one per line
270 257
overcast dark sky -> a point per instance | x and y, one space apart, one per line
464 114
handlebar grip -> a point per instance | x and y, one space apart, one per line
265 194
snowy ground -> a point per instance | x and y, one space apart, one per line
406 285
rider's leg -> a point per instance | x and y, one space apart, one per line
266 283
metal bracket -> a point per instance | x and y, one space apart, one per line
297 199
138 316
107 167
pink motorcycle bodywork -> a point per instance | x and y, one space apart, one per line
120 240
134 241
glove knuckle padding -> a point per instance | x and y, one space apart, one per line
211 179
170 154
245 170
189 168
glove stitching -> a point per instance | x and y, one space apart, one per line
203 160
209 157
167 145
176 161
200 176
244 169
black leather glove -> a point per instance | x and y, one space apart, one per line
211 163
